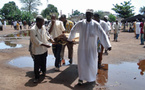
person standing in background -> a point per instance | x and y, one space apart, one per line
20 23
137 28
68 25
134 27
100 46
142 32
109 29
116 28
1 25
55 29
15 25
5 24
24 24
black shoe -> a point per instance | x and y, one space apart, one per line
43 74
106 53
142 44
70 61
80 82
35 80
57 69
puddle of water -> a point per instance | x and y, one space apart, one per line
19 34
125 76
9 45
27 61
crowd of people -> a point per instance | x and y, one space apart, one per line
139 30
16 24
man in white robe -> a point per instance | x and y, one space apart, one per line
89 31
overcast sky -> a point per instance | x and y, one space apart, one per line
66 6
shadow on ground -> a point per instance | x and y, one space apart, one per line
66 77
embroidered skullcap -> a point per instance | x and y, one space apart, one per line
39 17
90 10
106 17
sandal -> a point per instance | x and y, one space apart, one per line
80 82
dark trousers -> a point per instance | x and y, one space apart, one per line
137 36
20 27
115 36
1 28
100 54
39 63
142 38
70 50
56 48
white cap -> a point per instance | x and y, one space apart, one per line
106 17
90 10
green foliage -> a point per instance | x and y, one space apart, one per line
76 12
10 11
101 13
26 16
142 10
112 18
30 5
124 10
51 9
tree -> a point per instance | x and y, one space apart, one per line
101 14
124 10
76 12
26 16
10 11
142 10
112 18
51 9
30 5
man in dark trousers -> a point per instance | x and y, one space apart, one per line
39 44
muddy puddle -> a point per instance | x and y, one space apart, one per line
15 36
27 61
9 45
25 33
7 41
125 76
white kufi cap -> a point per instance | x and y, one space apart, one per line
106 17
90 10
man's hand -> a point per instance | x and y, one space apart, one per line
109 48
53 21
48 46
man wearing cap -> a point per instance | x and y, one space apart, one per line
39 44
89 31
109 29
100 46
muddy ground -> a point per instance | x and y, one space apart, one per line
127 49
